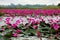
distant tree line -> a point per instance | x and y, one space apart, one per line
37 6
59 4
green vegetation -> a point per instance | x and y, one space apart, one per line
12 6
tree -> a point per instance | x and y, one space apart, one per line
58 4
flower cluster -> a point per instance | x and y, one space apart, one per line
13 12
29 22
37 26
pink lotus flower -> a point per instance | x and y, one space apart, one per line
7 21
14 34
51 21
33 22
18 31
17 22
14 25
34 27
41 19
0 19
37 12
38 22
55 26
27 12
38 34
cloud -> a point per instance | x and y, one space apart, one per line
32 2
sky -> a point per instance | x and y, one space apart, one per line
31 2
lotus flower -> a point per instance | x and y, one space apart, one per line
38 34
7 20
18 31
34 27
0 19
14 25
14 34
17 22
55 26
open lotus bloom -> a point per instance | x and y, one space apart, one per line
14 35
55 26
